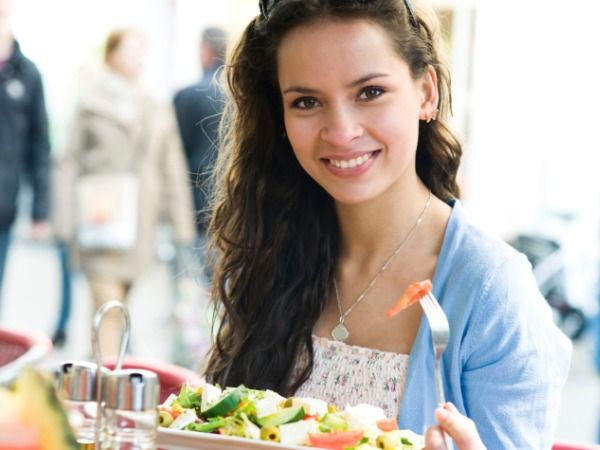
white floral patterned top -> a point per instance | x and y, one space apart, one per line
348 375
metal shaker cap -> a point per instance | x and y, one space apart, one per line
77 381
131 390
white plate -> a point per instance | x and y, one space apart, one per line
184 440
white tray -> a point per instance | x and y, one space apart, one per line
184 440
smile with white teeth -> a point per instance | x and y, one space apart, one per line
351 163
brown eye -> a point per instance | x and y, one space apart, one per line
305 103
370 92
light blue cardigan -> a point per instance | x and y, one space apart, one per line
506 361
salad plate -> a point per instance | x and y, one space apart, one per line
184 440
211 418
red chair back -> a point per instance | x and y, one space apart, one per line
19 348
566 446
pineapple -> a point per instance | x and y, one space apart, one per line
33 403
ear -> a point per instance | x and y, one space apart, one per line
428 85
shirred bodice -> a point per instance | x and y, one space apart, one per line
348 375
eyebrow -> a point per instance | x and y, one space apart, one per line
305 90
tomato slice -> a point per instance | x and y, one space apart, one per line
387 424
412 295
174 410
336 440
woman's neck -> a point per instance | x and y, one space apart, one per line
371 231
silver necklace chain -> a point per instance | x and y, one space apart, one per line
340 332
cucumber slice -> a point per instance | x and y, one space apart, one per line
335 422
286 415
207 427
225 405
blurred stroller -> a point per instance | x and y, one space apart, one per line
546 258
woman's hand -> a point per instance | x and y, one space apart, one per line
461 429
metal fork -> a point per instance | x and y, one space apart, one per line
440 332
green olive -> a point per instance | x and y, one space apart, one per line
388 441
165 418
289 402
270 434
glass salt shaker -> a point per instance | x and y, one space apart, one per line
130 409
76 385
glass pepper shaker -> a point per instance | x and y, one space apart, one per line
76 385
130 409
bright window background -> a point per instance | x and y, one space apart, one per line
525 90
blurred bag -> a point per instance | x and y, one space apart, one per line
107 210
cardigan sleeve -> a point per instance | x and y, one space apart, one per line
515 361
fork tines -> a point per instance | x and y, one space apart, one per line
434 312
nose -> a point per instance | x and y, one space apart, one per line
341 127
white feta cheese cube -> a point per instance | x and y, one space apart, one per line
364 417
274 395
169 400
210 395
296 433
184 419
266 406
312 406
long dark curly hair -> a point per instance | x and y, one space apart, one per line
274 229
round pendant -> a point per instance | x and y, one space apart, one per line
340 332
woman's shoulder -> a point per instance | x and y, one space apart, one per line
486 281
481 273
473 254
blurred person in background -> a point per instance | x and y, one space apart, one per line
24 143
122 170
198 108
59 336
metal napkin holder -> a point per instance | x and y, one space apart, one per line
84 381
98 317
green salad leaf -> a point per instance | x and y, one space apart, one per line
188 398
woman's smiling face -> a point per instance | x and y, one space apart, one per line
351 107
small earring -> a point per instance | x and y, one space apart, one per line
433 116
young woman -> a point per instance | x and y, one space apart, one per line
338 190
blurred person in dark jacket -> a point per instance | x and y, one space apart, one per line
198 108
24 144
